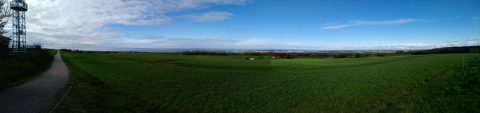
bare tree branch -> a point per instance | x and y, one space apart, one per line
4 16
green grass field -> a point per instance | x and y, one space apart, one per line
169 83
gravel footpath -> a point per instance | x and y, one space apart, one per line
34 96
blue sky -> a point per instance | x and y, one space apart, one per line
269 24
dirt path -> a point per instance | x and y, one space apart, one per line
34 96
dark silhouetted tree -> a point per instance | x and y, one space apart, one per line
4 40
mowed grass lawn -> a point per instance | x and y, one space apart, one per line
163 83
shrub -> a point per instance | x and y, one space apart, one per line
23 65
4 43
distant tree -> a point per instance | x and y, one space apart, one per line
358 55
4 40
35 47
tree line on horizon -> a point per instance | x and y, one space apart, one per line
293 55
353 54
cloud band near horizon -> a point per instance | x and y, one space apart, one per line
355 23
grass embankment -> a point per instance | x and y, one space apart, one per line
144 83
22 67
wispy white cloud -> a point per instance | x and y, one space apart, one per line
269 43
405 46
370 23
77 23
211 16
410 46
257 43
473 42
218 43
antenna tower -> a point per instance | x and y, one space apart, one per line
19 31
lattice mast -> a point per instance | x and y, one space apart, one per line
19 31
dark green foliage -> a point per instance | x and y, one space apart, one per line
23 65
339 54
447 50
287 55
4 50
293 55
